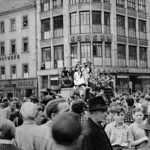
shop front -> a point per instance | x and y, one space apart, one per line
18 88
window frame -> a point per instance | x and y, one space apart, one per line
13 42
27 25
2 43
44 50
2 26
12 26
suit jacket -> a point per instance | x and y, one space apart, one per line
94 137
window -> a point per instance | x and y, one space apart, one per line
58 56
132 56
142 6
97 49
25 44
131 4
120 3
2 72
2 48
58 26
74 23
59 52
85 50
45 5
71 2
74 48
84 1
85 22
25 68
44 81
143 57
57 3
121 54
46 54
45 28
107 22
96 22
107 53
13 71
120 25
142 29
12 24
25 21
2 27
132 27
13 46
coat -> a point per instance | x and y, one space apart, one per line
94 137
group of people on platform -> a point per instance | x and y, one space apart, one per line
76 123
85 75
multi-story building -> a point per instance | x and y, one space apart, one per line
18 48
112 34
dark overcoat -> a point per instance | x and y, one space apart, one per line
94 137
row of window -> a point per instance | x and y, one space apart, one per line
13 71
25 24
13 48
131 27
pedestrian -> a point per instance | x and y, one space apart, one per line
137 135
7 135
24 133
66 131
94 135
118 131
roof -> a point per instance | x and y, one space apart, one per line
9 5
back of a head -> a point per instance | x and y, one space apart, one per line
66 129
7 129
78 106
52 106
28 110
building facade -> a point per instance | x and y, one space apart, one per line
112 34
18 44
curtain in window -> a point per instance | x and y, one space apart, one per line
97 49
108 50
85 50
58 52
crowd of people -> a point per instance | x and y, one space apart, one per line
76 123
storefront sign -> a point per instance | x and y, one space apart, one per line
11 57
26 83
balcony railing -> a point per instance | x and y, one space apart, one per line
58 32
143 64
85 29
142 35
121 31
107 29
132 33
74 30
122 62
97 28
45 35
108 61
133 63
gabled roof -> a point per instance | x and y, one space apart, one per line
9 5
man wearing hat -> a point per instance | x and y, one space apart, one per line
94 136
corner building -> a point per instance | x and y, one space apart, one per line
18 48
112 34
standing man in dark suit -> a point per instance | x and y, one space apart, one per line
94 136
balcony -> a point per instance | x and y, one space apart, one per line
108 61
132 33
121 31
107 29
143 64
122 62
45 35
142 35
96 28
58 32
133 63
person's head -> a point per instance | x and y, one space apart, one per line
28 111
130 101
66 130
111 110
4 102
78 106
119 114
97 108
138 114
7 129
55 107
12 103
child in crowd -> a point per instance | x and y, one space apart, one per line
110 116
117 131
137 135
